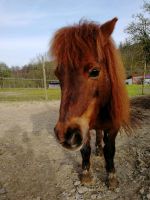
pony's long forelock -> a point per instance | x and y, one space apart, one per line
71 45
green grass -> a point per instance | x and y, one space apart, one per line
136 90
17 94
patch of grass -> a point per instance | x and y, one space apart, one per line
27 94
18 94
54 94
136 90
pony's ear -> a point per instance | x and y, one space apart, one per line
108 27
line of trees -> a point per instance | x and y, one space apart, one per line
135 50
27 76
32 70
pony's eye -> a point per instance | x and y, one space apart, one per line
94 73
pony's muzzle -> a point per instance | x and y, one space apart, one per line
73 138
70 139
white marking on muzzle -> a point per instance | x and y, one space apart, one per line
84 120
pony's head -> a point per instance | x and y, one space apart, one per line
91 80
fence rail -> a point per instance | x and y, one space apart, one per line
22 83
19 89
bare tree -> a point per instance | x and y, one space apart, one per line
42 59
146 7
139 31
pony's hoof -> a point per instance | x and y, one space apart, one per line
99 151
113 182
86 178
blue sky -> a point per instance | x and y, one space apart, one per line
26 26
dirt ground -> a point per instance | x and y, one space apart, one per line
33 166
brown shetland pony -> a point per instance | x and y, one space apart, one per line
93 93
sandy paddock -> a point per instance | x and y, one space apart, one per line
34 167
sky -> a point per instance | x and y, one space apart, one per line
27 26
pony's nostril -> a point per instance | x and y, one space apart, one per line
55 130
76 139
73 138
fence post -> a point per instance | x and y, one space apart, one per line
144 73
44 78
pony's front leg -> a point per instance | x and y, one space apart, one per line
109 153
86 176
98 143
